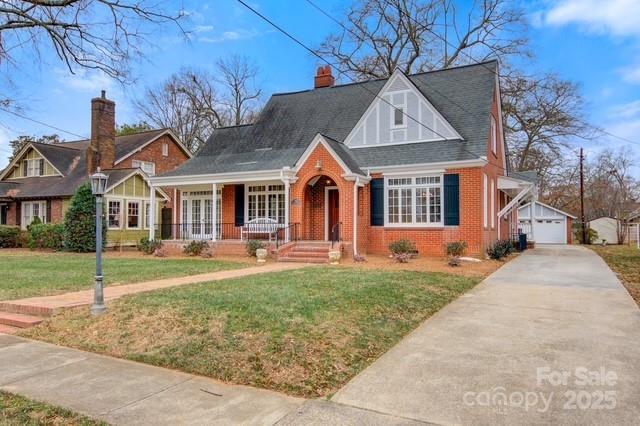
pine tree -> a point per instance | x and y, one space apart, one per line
80 222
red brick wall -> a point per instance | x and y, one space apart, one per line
13 215
153 152
309 210
57 215
569 230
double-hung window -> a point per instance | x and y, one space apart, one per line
265 201
398 110
32 210
33 167
133 214
113 214
147 210
414 201
494 135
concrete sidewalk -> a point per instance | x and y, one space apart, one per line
555 308
124 392
47 305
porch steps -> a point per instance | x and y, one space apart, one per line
19 320
34 310
307 252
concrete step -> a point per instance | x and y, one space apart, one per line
19 320
303 259
7 329
17 308
310 249
318 254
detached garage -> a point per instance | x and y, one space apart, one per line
545 224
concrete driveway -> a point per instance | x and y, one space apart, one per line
552 337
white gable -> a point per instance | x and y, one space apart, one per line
541 211
379 125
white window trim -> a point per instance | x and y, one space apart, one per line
31 167
493 203
139 203
413 187
23 209
115 200
165 149
267 193
395 106
494 135
142 164
146 218
485 202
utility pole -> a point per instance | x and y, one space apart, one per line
585 240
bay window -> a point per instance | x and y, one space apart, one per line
266 201
414 201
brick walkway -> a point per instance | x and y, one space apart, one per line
47 305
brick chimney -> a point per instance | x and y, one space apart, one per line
324 78
102 150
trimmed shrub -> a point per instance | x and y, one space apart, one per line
195 248
46 236
80 222
9 236
501 249
456 248
403 250
253 246
148 246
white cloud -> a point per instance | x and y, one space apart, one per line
235 35
627 110
615 17
203 28
5 148
86 81
631 74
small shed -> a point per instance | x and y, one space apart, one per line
545 224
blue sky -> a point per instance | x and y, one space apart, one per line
594 43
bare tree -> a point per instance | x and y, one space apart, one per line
542 117
187 103
379 36
94 34
241 96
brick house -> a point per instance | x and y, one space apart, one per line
418 157
42 178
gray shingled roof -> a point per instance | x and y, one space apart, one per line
290 121
70 159
526 175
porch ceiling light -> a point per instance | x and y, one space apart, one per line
319 165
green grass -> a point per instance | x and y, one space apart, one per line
16 410
43 274
625 261
304 332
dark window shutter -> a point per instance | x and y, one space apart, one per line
48 214
239 205
452 200
377 202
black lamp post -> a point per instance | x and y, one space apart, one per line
98 187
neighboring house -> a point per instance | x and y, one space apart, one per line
545 224
418 157
42 178
607 229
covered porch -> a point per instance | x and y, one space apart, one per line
228 209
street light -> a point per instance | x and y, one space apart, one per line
98 187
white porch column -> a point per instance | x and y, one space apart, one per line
287 189
152 213
214 212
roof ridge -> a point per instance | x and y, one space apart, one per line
233 126
353 83
142 131
59 144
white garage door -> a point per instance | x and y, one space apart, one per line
550 231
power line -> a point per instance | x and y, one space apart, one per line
314 53
328 15
41 123
475 61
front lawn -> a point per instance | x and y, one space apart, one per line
625 261
304 332
16 410
42 274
